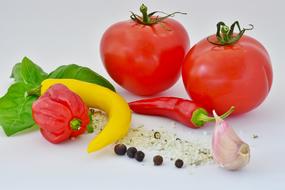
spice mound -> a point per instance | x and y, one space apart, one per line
169 145
194 151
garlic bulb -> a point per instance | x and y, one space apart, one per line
229 151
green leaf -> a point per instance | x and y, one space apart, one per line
16 109
74 71
16 72
28 72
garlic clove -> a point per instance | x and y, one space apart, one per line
229 151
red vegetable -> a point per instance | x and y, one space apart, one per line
226 70
185 111
144 55
60 114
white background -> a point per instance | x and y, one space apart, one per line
54 32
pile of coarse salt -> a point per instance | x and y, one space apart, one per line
194 151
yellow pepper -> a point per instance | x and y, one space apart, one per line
102 98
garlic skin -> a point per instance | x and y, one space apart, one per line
229 151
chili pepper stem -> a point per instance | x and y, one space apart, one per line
75 124
90 128
200 116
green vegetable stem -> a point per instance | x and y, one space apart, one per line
151 18
225 35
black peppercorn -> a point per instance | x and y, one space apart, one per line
157 135
120 149
131 152
139 156
157 160
179 163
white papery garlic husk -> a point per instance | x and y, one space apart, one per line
228 150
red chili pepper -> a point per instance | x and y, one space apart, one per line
60 114
185 111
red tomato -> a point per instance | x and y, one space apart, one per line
144 59
219 77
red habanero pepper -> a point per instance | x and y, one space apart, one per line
60 114
184 111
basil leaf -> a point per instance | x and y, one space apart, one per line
16 109
28 72
74 71
16 72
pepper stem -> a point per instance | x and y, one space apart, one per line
90 128
75 124
225 34
200 116
35 91
150 19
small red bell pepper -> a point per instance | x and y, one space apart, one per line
60 114
185 111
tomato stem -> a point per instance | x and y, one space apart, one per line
146 18
225 35
200 116
150 19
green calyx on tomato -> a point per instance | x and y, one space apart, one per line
150 19
225 34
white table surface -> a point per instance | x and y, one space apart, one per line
57 32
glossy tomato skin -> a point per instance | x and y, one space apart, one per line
219 77
144 59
